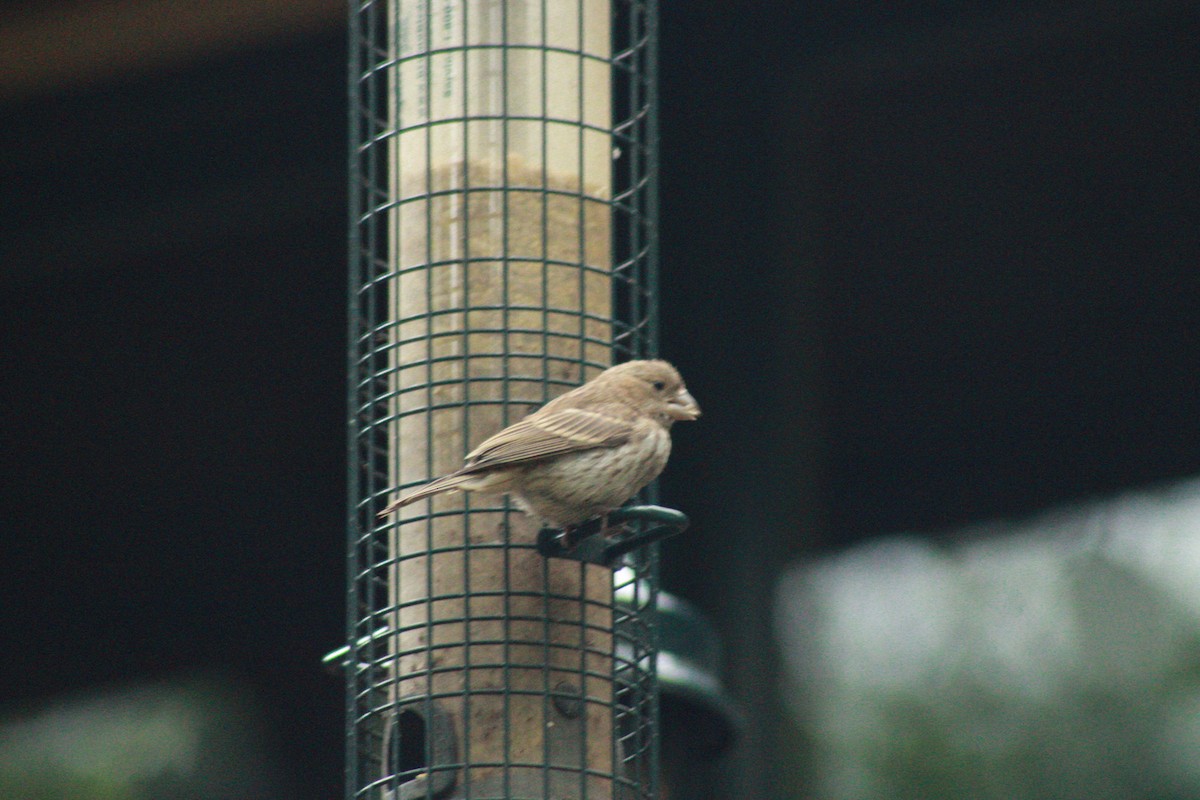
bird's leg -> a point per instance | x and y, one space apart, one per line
621 532
568 538
612 530
572 535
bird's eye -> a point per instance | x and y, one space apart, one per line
659 386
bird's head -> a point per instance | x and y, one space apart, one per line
656 387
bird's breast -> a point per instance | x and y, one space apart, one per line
579 486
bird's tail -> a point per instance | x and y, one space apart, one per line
446 483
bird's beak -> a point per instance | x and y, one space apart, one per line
683 406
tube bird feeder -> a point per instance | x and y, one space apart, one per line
502 251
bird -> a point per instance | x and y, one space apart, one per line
582 454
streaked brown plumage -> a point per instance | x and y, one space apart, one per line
582 454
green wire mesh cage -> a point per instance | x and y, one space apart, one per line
502 250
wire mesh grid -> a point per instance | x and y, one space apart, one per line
502 251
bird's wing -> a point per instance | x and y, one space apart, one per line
543 436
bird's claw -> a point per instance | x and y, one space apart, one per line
568 537
580 542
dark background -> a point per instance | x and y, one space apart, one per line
920 267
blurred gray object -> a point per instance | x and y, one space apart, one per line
1051 658
195 739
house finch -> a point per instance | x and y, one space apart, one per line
582 454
